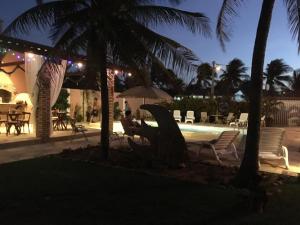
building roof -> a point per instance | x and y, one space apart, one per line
20 45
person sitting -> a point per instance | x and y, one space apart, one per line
129 120
130 126
95 111
127 107
88 113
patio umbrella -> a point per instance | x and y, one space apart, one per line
145 92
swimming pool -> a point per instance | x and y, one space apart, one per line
191 131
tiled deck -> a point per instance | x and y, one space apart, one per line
25 138
17 147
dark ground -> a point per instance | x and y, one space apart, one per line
56 190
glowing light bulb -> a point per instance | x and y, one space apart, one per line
80 65
129 74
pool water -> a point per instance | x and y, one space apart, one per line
189 131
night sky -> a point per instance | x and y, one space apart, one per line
280 44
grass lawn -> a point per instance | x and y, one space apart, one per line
60 191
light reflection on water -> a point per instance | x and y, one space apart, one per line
190 131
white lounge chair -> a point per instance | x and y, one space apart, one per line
189 117
270 145
222 146
263 121
229 118
204 117
177 115
241 122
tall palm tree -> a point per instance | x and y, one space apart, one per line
233 76
295 84
113 32
248 173
276 76
204 77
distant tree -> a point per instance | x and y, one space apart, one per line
166 79
245 88
232 77
276 76
295 84
204 77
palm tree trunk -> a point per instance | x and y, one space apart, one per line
104 102
248 173
97 71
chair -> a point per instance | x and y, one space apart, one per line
26 120
222 146
177 115
78 129
241 122
270 145
263 121
128 130
189 117
229 118
14 119
203 117
3 118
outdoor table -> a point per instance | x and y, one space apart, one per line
60 121
217 118
13 119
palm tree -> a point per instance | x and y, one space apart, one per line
204 77
295 84
113 32
233 77
167 80
276 76
248 173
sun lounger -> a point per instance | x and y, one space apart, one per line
229 118
204 117
130 131
263 121
222 146
189 117
241 122
270 145
177 115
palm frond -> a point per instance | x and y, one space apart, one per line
293 12
151 15
224 23
39 2
68 20
41 16
170 52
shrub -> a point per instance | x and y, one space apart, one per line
206 105
117 111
